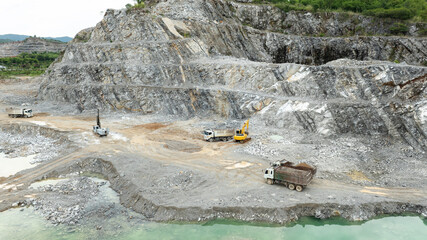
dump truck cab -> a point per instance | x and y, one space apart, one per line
269 173
208 134
28 113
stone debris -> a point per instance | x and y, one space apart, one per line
258 148
65 202
182 180
22 141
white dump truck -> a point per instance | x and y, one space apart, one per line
19 112
218 134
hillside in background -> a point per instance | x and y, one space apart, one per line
17 37
30 45
31 64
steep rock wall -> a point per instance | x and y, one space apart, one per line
193 58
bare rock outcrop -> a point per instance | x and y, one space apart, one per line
200 57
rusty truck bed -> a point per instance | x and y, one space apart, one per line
300 174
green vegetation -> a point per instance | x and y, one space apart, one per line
5 40
397 9
399 28
27 64
137 4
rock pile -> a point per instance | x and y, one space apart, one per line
65 202
25 142
181 180
257 148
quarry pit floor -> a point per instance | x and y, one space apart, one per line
162 168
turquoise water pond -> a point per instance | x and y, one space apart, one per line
25 223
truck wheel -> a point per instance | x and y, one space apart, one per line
291 186
210 140
298 188
270 181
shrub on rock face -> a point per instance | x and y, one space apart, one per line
397 9
399 28
138 4
354 5
398 13
423 14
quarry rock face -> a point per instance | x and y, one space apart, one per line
236 60
330 24
30 45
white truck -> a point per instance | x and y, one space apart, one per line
218 134
19 112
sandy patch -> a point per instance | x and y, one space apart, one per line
242 164
10 166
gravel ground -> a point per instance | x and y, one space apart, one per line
19 144
160 166
76 200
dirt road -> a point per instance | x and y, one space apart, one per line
169 166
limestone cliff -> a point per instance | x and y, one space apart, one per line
210 57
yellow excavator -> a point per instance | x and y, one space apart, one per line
241 135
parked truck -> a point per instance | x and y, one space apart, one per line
292 176
19 112
218 134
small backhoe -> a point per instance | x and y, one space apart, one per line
241 135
